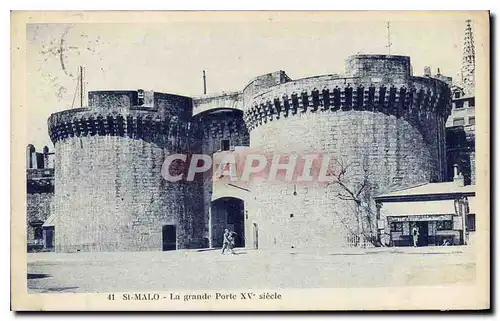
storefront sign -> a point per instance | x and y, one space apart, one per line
420 218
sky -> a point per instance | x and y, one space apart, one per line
170 56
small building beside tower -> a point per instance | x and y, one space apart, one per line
442 213
40 195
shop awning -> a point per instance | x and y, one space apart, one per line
473 205
419 208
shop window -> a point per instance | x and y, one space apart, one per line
397 227
472 120
444 225
224 144
471 222
458 121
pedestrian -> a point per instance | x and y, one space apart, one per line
415 234
226 241
232 236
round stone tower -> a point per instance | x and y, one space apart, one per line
383 128
109 191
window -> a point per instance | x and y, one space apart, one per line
458 121
38 234
471 222
472 120
444 225
457 94
224 144
472 102
459 104
397 227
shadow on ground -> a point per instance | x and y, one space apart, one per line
38 276
61 289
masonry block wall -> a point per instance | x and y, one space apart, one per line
218 125
110 194
387 125
460 144
40 194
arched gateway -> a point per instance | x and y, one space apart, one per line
227 213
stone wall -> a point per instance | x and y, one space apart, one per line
110 194
217 125
393 153
39 206
203 104
380 68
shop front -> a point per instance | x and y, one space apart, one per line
433 214
431 230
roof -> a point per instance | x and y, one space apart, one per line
50 220
430 190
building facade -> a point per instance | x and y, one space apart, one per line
378 120
461 125
40 195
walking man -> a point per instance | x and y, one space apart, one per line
226 242
415 234
232 236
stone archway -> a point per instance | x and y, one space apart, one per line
227 213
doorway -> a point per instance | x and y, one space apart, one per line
228 213
169 236
423 230
49 238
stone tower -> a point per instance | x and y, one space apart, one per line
379 122
468 60
109 191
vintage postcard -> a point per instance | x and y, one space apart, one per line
250 160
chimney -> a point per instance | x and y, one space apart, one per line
427 71
439 72
458 178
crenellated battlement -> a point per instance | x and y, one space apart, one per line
135 124
412 101
123 113
223 123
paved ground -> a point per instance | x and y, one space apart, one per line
190 269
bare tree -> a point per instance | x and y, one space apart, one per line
356 189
